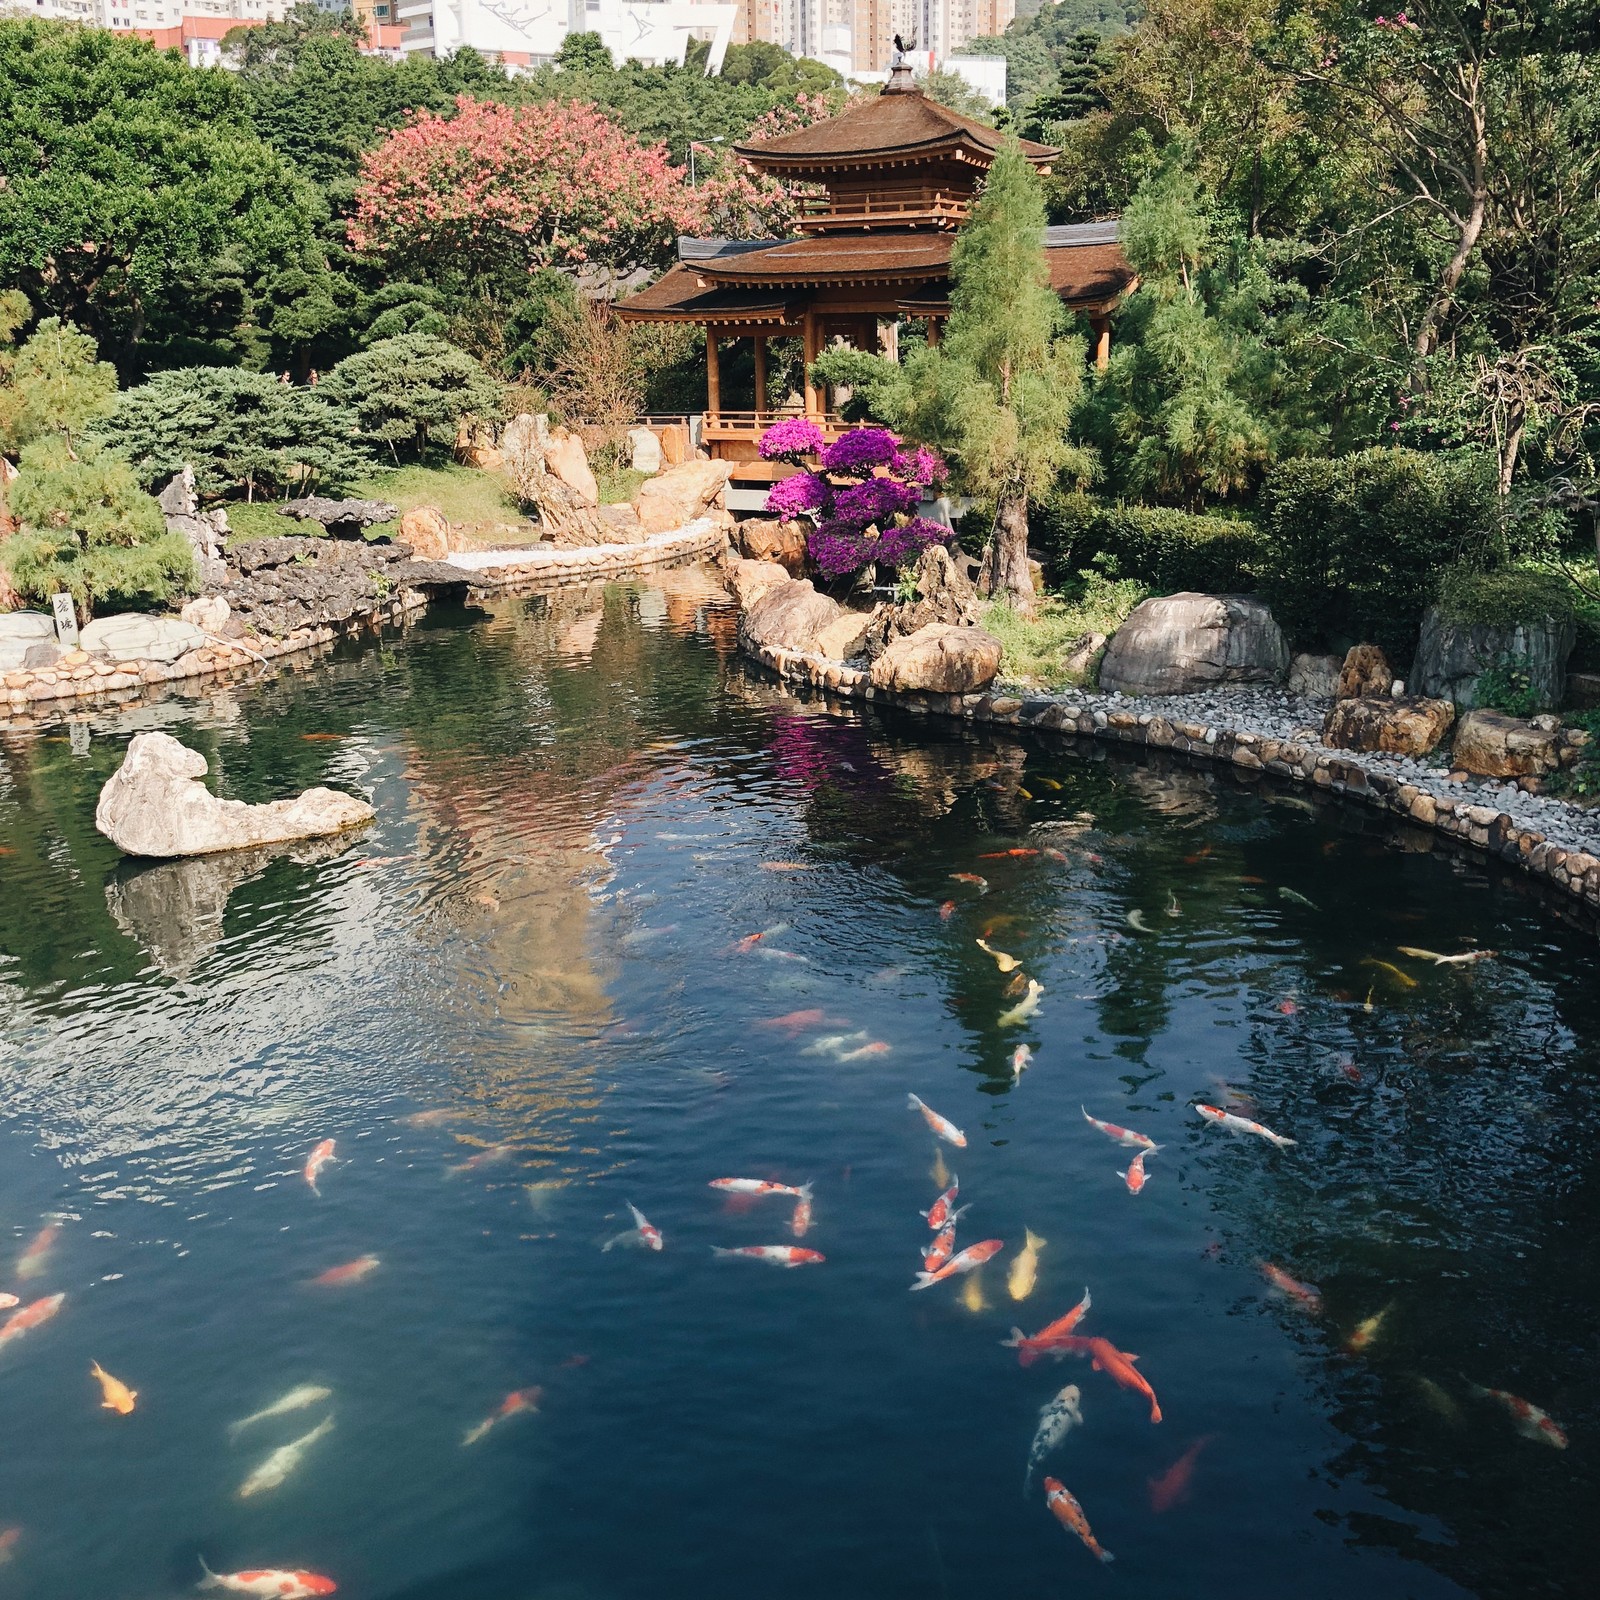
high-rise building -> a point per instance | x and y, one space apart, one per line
871 36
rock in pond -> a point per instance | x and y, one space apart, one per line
1183 643
766 539
789 616
156 805
133 636
681 494
939 659
1490 744
752 579
1402 726
1366 673
1452 655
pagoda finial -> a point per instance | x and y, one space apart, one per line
901 78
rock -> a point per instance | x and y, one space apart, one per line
1451 656
155 805
425 529
1409 727
210 614
681 494
1080 660
766 539
1366 671
789 616
752 579
620 524
944 594
133 636
344 519
1583 690
1316 676
939 659
1493 745
564 456
844 637
524 432
206 531
20 631
1183 643
644 451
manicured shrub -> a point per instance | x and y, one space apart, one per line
411 392
1164 549
1505 598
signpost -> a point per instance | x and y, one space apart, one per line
66 621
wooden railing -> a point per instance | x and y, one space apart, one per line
752 424
820 212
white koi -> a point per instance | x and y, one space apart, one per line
283 1461
297 1399
1057 1418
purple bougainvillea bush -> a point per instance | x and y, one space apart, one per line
862 505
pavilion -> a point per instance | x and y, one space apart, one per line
899 172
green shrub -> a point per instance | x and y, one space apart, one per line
1164 549
1353 545
1504 599
1508 686
410 392
1036 651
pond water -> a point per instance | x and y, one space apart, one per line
532 993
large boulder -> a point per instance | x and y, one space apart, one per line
766 539
426 531
133 636
1452 655
1316 676
644 450
845 636
344 519
1493 745
1406 725
939 659
1183 643
565 456
681 494
1365 674
22 632
752 579
156 805
209 613
619 524
206 531
789 616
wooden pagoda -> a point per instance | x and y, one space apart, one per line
899 172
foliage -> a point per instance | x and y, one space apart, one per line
952 90
1354 546
1081 66
1508 685
534 325
605 371
242 432
53 385
1503 598
880 390
408 393
1165 549
1038 37
88 530
1035 649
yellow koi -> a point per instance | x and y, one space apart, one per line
1002 960
1025 1269
1404 979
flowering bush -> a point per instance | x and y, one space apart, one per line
870 519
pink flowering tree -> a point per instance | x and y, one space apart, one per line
735 200
862 503
493 190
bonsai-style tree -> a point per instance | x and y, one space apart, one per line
407 393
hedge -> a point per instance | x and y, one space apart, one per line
1168 550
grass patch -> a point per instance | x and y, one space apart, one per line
1036 652
618 485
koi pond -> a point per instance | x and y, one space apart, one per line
316 1168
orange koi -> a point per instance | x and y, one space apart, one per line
800 1220
1134 1177
795 1021
30 1317
947 910
940 1251
1006 855
33 1260
319 738
1045 1341
1305 1295
777 1255
1070 1515
318 1159
943 1127
514 1404
1057 855
973 1256
350 1272
1173 1486
117 1396
1199 856
1118 1365
269 1583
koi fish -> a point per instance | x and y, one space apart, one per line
1135 920
1362 1335
1007 855
943 1128
1002 960
32 1260
1173 908
942 1248
973 1256
1288 1007
1021 1060
1060 856
1199 856
972 1294
1527 1418
484 1158
350 1272
1173 1486
837 1045
745 945
432 1119
643 1233
318 1159
1070 1515
940 1214
8 1300
754 1186
1400 976
947 910
297 1399
800 1220
1049 783
116 1395
876 1047
1026 796
777 1255
1367 1004
940 1173
1305 1295
1439 1400
283 1461
1123 1136
518 1401
1118 1365
787 866
10 1536
1464 959
1294 897
1134 1177
1046 1340
1025 1269
1236 1124
30 1317
1024 1008
318 738
795 1021
1058 1416
269 1583
980 884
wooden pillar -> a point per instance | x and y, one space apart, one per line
889 340
810 344
713 375
933 333
760 341
1101 328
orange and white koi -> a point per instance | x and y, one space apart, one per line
349 1272
270 1583
1305 1295
941 1126
1236 1124
30 1317
1057 855
1526 1417
979 883
643 1232
1118 1365
941 1212
1464 959
1025 1269
1021 1060
9 1300
1001 959
1364 1332
940 1251
973 1256
874 1047
1123 1136
1173 1486
31 1263
947 910
318 1159
800 1218
1070 1515
754 1186
1046 1341
1134 1177
777 1255
484 1158
116 1395
514 1404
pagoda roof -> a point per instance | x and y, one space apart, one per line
894 128
680 294
853 258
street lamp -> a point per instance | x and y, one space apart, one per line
699 145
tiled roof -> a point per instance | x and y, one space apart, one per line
840 258
1089 272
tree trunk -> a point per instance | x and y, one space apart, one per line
1005 574
1470 226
